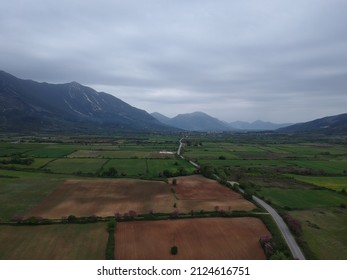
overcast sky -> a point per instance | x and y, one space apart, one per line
275 60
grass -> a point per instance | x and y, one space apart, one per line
53 242
302 199
334 183
325 230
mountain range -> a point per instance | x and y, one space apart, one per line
199 121
30 106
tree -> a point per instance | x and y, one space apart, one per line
174 181
207 171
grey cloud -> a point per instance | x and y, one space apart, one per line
232 59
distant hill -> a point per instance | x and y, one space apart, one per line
27 105
197 121
328 125
257 125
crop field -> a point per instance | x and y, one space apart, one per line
21 193
51 151
105 198
70 166
303 199
53 242
220 239
334 183
325 231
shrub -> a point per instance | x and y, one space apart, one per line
174 250
293 224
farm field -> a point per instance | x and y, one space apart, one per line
53 242
199 193
222 238
21 191
334 183
71 166
302 199
106 197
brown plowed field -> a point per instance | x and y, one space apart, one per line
209 238
107 197
199 193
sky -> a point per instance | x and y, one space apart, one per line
273 60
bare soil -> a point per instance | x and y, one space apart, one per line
199 193
196 239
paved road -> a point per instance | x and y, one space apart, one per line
179 148
289 238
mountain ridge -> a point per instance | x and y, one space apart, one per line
336 124
29 105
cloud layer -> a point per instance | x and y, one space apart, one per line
277 60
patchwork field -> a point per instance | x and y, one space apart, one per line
107 197
212 238
53 242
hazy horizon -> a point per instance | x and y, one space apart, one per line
271 60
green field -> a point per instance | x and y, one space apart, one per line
20 194
325 231
127 167
53 242
302 199
52 151
73 166
334 183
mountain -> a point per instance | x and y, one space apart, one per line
257 125
329 125
27 105
160 117
196 121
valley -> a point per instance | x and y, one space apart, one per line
135 180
